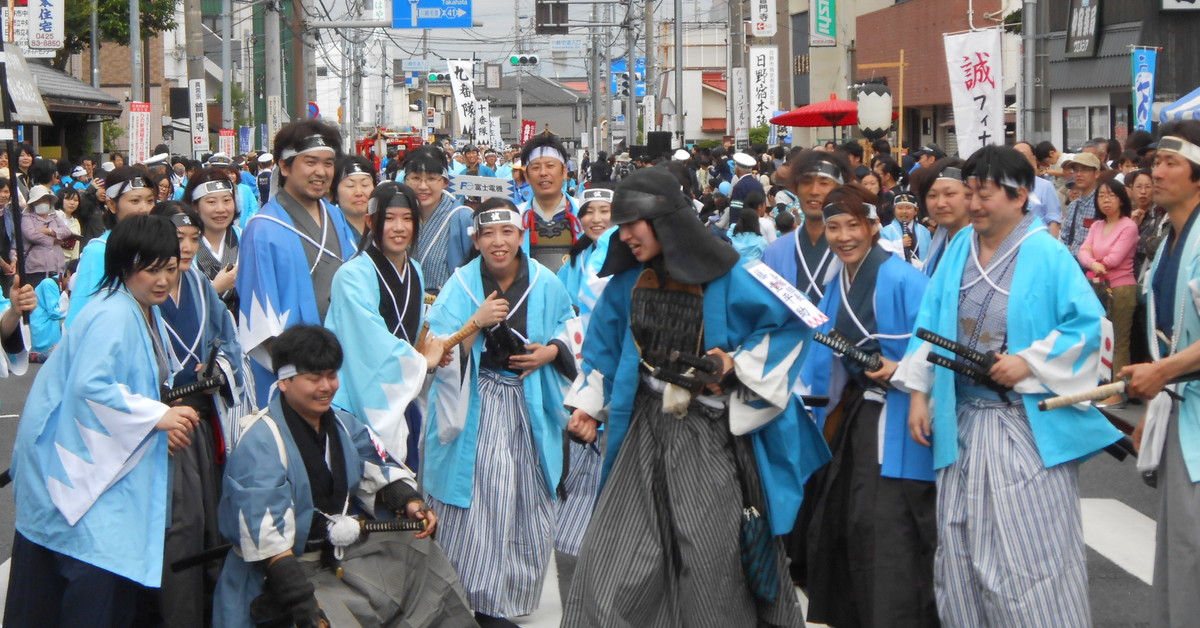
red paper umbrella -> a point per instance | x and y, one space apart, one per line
832 112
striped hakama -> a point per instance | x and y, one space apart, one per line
664 546
577 499
501 544
1177 547
1010 540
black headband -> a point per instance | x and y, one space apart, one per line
822 168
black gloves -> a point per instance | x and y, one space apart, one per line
292 594
397 496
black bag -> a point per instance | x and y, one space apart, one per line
1104 293
759 553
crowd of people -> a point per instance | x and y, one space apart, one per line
315 389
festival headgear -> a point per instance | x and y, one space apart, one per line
952 173
116 190
493 217
547 151
265 158
78 171
311 144
212 186
106 168
220 160
397 199
183 220
1181 147
691 253
681 155
822 168
930 149
427 159
836 209
593 194
288 371
161 158
355 167
905 198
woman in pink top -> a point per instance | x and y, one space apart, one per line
1108 254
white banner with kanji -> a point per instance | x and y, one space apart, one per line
139 132
763 22
976 88
462 82
764 84
225 139
741 110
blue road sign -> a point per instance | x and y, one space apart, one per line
639 68
431 13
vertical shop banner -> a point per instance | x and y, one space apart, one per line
462 83
497 139
225 140
528 129
198 103
822 23
976 88
21 28
274 118
483 122
764 84
741 110
139 132
1144 61
245 139
46 19
763 22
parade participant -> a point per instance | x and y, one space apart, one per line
90 458
14 354
494 436
746 236
126 192
744 182
490 168
522 191
690 483
872 537
299 466
805 257
1084 169
905 229
376 313
296 231
1169 441
945 197
444 221
580 276
550 217
195 320
245 196
1107 257
211 195
1010 542
353 182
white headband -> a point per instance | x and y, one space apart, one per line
310 144
547 151
1181 147
1005 180
211 187
500 216
288 371
115 191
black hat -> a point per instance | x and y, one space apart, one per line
691 253
930 149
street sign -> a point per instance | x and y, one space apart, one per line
639 67
431 14
565 44
26 99
198 104
417 65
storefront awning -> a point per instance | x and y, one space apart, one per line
1109 68
64 93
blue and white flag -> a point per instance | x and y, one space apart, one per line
1144 61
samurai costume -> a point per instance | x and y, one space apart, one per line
549 240
444 243
281 481
376 314
798 259
87 275
195 324
1010 542
90 472
211 261
896 230
1171 440
937 248
45 322
279 244
872 538
690 483
494 442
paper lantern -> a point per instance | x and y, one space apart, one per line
874 109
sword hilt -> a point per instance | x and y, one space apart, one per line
842 345
985 360
394 525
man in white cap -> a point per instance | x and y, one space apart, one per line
263 179
1085 170
743 185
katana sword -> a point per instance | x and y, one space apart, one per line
840 344
984 360
1106 391
708 366
390 525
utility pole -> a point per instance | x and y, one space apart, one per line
608 82
594 84
135 47
95 43
679 119
194 43
651 77
425 90
272 59
300 54
630 66
520 71
227 64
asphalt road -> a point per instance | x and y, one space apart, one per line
1118 520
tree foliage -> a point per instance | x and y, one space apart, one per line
156 16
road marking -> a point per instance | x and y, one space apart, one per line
1120 534
9 416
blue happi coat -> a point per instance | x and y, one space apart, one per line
1053 322
581 277
87 275
897 300
452 427
273 282
45 322
89 469
266 503
381 374
767 343
923 238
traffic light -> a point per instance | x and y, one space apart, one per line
439 77
523 60
623 84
